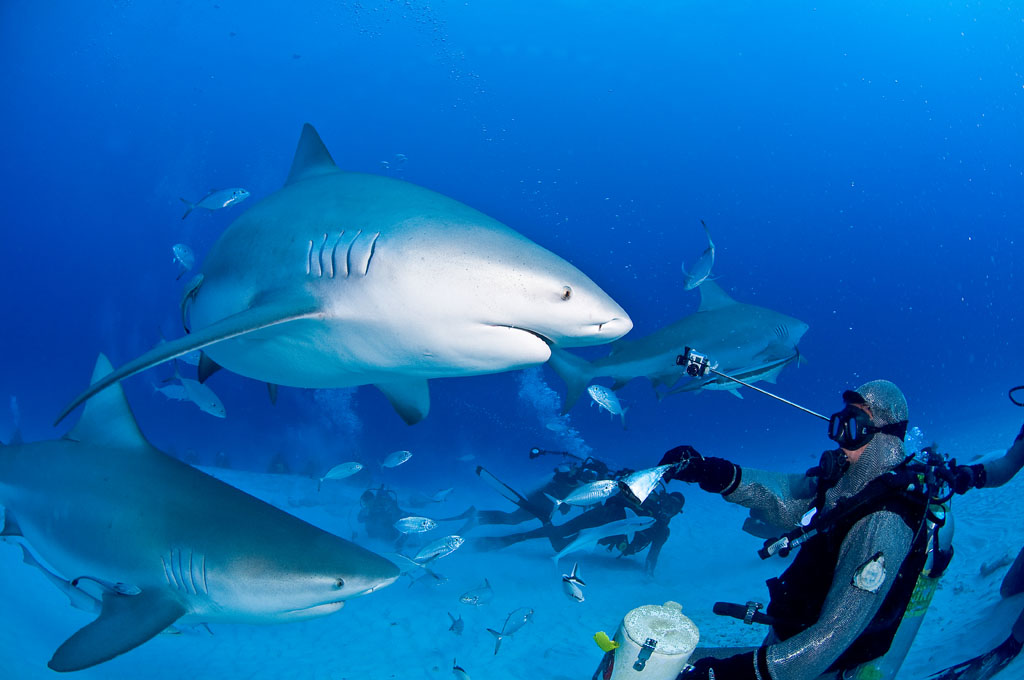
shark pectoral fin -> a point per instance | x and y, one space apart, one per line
253 319
575 371
8 527
410 398
735 393
124 623
207 367
620 383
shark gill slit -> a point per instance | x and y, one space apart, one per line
309 258
334 254
373 249
192 574
181 571
206 585
320 257
169 570
348 255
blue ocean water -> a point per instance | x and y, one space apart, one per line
859 167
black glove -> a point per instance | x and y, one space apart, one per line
716 475
967 477
739 667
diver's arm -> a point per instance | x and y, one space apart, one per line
1001 470
779 498
848 608
658 539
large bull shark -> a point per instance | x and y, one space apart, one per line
150 542
342 278
745 341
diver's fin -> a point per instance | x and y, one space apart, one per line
410 398
207 367
713 297
125 622
107 419
311 157
575 371
253 319
983 666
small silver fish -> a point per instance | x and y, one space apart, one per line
572 584
441 495
478 596
395 459
216 199
415 525
439 548
340 471
174 391
513 623
609 401
591 493
641 483
184 257
458 625
203 397
458 671
702 268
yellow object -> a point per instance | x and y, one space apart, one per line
602 640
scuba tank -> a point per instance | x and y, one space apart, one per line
939 525
653 642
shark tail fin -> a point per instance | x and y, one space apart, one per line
188 210
253 319
576 372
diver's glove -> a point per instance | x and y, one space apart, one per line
716 475
967 477
739 667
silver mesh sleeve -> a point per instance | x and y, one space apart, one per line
776 498
848 609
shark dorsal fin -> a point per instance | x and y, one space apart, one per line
311 157
107 420
713 297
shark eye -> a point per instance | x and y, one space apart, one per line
566 292
339 583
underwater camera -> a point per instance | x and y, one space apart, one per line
697 365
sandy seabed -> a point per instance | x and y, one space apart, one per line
403 630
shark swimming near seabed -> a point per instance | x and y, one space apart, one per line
160 543
341 279
745 341
586 539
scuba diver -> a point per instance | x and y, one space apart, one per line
536 504
864 541
378 511
659 505
983 475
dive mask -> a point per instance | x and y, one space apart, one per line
851 428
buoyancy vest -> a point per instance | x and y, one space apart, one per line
798 595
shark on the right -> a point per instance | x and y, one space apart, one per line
745 341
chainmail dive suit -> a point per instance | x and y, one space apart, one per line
783 499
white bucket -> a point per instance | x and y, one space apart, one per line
655 642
